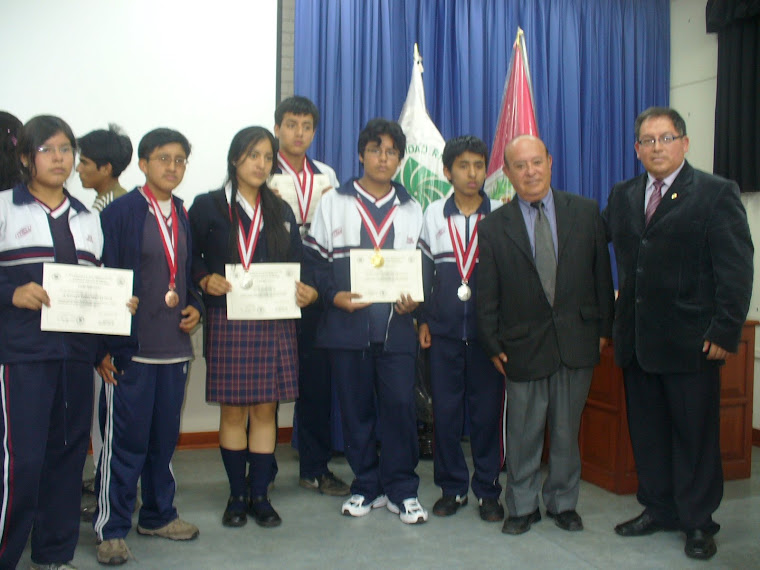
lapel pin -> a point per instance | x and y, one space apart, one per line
674 196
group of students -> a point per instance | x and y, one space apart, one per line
365 352
178 258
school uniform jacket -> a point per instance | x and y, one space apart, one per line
444 313
123 222
25 244
335 230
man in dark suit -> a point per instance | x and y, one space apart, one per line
684 258
544 306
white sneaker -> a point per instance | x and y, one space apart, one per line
356 507
411 512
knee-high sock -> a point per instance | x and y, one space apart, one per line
260 473
234 464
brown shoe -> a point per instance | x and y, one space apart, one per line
175 530
113 552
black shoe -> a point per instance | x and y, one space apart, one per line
262 512
642 525
234 515
700 545
491 510
448 505
567 520
327 484
519 525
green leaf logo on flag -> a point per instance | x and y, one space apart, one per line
422 182
421 171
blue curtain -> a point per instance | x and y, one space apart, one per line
595 64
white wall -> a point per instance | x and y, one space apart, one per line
206 69
209 72
693 82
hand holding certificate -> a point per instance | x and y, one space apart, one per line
86 299
383 276
266 291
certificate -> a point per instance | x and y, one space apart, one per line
283 183
265 292
383 279
86 299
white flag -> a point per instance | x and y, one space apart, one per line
421 171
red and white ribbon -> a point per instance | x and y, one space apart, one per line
465 257
304 184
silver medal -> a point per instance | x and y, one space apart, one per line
464 292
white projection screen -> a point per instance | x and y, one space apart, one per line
205 69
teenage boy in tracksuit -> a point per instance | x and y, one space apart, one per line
295 122
147 231
371 346
461 373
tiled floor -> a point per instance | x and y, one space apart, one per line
315 535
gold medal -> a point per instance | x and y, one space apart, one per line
171 298
377 259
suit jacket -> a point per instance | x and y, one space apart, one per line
684 278
514 315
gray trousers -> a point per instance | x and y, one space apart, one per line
558 399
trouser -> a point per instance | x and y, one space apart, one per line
314 405
461 373
140 419
45 427
376 395
559 400
674 421
95 436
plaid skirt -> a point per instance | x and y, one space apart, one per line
250 362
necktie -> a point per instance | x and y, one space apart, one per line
546 261
654 199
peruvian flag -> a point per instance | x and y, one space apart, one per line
516 117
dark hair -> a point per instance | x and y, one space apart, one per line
278 240
34 134
107 147
160 137
654 112
377 127
296 105
459 145
10 174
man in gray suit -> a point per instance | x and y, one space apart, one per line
545 309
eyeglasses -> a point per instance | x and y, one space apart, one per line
50 149
377 151
165 159
664 140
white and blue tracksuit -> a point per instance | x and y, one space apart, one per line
372 350
45 382
462 375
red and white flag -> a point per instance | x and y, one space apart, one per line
516 117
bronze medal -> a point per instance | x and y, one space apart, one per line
171 298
